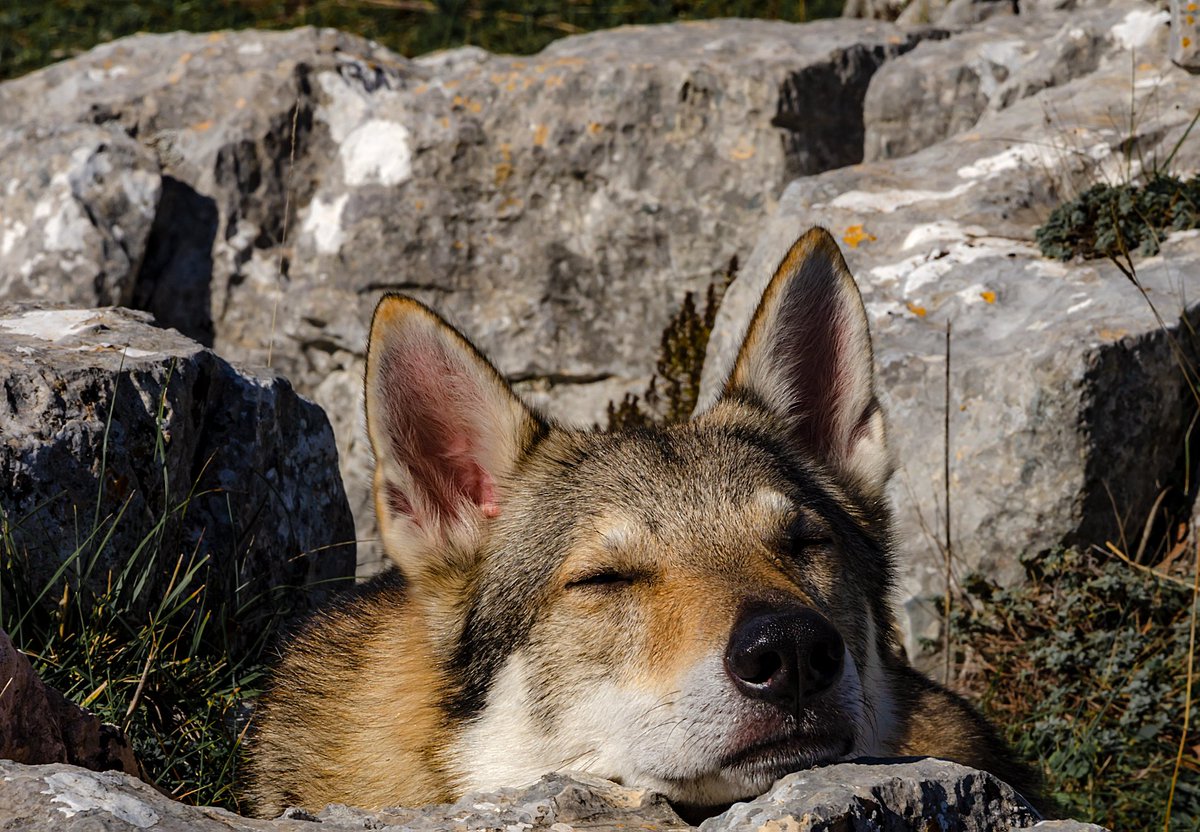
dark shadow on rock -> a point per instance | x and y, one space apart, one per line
1145 433
175 281
820 107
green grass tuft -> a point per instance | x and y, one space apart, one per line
156 645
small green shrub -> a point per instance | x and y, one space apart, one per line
1115 220
674 389
1086 665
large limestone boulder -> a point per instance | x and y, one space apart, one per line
943 87
923 794
558 206
119 440
1069 414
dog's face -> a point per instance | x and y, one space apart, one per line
696 609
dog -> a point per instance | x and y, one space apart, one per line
696 609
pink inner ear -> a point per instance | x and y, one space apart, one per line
810 350
432 411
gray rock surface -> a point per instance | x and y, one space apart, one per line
39 725
1185 34
97 404
925 794
1069 413
559 206
943 87
76 205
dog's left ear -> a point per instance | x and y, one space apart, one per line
807 358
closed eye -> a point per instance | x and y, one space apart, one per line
804 532
605 579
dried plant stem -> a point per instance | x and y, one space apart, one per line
1187 697
287 205
949 550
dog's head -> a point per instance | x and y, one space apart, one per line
696 609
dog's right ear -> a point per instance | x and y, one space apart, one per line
807 358
447 433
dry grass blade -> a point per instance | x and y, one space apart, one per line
287 212
949 550
1187 697
1112 548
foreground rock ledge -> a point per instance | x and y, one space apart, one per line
925 794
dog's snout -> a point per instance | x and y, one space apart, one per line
786 658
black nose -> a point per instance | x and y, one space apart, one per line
784 657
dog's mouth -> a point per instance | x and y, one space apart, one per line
789 752
765 760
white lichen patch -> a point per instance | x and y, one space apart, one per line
1045 156
142 189
129 352
48 324
1138 27
324 224
84 792
57 325
100 74
377 152
914 273
66 229
13 230
344 107
885 202
940 230
1000 60
1081 305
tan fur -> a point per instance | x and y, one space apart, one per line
369 744
565 599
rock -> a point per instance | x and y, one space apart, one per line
559 206
966 12
38 725
1185 34
925 794
111 423
943 87
885 797
558 801
1069 414
76 205
873 9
